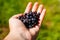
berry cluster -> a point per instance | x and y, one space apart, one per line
30 19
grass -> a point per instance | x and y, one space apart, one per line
50 29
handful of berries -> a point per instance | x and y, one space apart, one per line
30 19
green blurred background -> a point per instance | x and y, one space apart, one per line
50 29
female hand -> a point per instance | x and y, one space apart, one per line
18 31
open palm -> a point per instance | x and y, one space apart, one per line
18 28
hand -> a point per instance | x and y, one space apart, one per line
18 31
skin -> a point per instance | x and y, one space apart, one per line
18 31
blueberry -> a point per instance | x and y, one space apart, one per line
30 19
31 16
30 26
30 13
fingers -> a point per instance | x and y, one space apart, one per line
42 16
35 7
40 8
28 8
34 30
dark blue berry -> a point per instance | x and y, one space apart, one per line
30 19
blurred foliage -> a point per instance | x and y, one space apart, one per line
50 29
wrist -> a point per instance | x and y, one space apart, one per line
13 36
